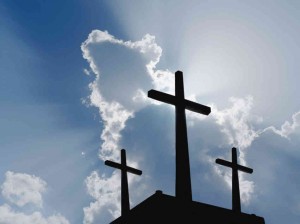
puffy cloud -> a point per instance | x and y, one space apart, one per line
239 125
106 192
22 189
124 72
236 123
9 216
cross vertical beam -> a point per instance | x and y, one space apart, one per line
236 202
125 205
183 188
124 184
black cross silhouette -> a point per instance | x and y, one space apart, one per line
236 202
183 177
125 207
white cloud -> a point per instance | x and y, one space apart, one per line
287 128
106 192
124 72
236 123
119 91
9 216
22 189
86 71
200 54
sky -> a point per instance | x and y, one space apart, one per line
74 82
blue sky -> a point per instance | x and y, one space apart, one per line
75 75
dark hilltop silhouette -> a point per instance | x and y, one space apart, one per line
162 208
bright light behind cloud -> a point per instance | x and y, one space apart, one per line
225 52
237 123
233 49
241 58
116 108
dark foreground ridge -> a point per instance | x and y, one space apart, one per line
162 208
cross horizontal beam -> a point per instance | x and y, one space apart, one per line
121 167
189 105
163 97
237 166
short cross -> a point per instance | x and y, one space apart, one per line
125 207
236 203
183 188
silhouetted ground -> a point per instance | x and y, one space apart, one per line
162 208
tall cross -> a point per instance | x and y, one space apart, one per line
183 189
125 207
236 203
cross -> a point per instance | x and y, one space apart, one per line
183 188
125 207
236 204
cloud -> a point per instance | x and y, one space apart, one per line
237 125
86 71
106 192
124 72
22 189
275 160
287 128
236 122
9 216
